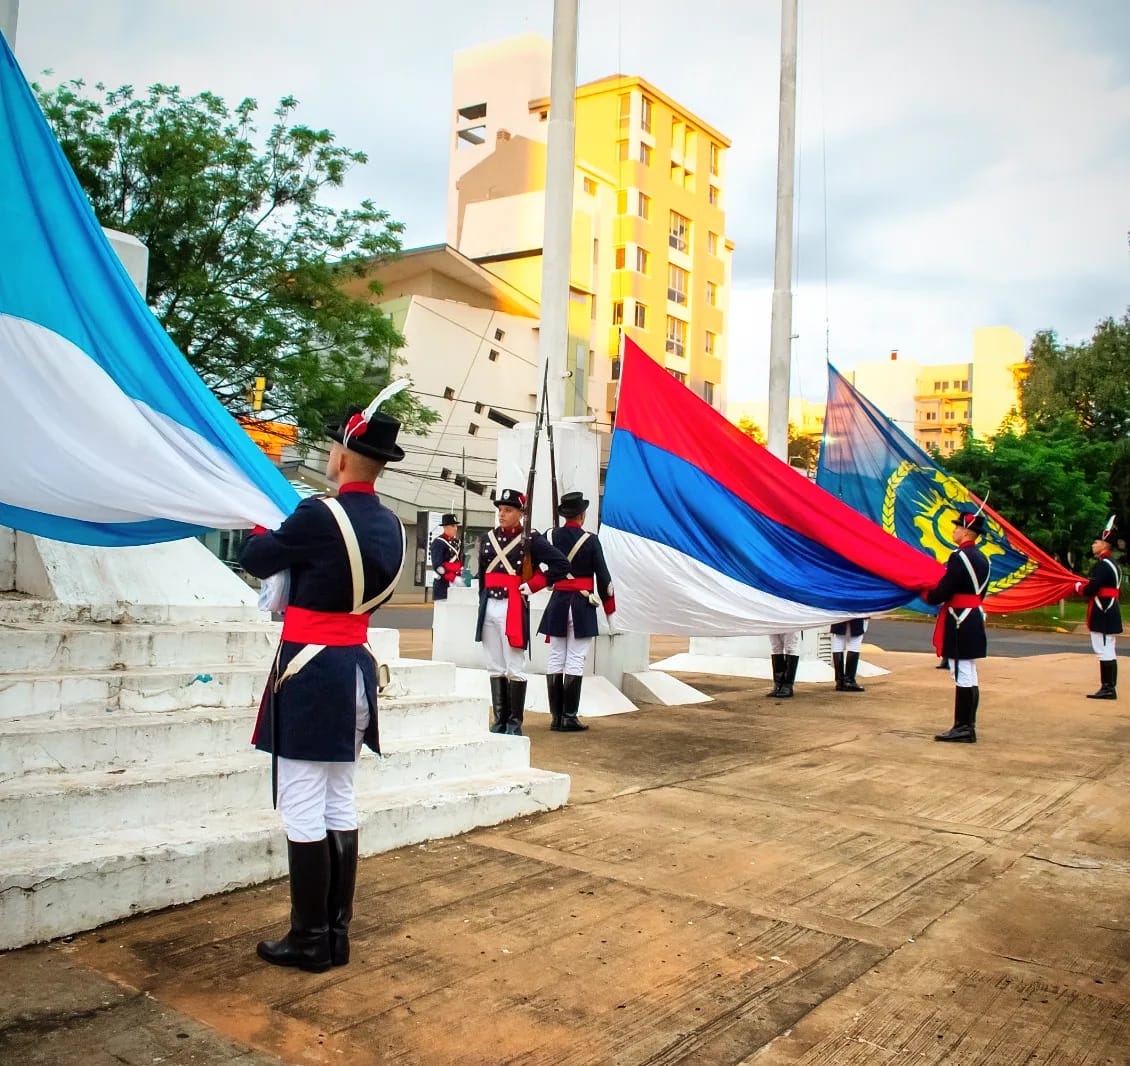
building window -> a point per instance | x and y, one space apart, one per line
641 316
589 186
949 415
449 393
473 111
641 260
712 294
715 154
708 392
620 257
622 151
616 369
644 209
617 312
679 376
501 418
445 473
478 408
931 416
709 345
473 429
678 281
499 334
493 355
543 116
622 202
712 243
645 115
625 109
679 232
471 137
645 154
676 336
715 195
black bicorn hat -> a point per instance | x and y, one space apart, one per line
572 504
449 520
972 520
511 498
369 432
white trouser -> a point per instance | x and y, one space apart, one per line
567 654
783 643
846 642
501 658
1103 643
964 672
316 796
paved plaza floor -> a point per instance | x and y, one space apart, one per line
811 881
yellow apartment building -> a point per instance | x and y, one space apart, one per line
650 254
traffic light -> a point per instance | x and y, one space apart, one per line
257 394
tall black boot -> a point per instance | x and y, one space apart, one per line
786 690
307 945
943 664
838 667
499 703
516 707
778 674
555 686
570 723
851 664
964 708
343 880
1107 676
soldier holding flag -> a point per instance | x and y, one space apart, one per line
1104 617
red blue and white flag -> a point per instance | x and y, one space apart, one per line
108 435
707 533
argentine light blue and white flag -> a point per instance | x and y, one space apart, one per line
107 435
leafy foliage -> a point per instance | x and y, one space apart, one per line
246 265
804 451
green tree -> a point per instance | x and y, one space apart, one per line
1051 482
804 451
247 268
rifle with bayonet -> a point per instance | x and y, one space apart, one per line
527 526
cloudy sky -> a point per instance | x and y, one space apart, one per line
973 155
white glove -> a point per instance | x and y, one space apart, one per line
525 589
1078 586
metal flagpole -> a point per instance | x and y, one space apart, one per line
9 15
781 331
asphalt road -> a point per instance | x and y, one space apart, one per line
886 633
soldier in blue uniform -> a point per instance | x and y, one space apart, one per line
847 639
503 624
1104 616
344 555
447 557
959 635
570 618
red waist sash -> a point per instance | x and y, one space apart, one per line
515 629
962 601
574 584
1102 594
451 570
1107 594
335 629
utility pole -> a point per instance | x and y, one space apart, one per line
9 15
553 341
781 332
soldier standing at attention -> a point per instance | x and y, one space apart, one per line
503 624
959 635
570 619
847 637
447 557
783 654
1104 617
344 555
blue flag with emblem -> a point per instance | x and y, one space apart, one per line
876 469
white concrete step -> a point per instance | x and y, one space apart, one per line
18 609
109 741
58 806
54 888
61 647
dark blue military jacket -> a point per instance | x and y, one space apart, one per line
964 627
1103 615
855 626
444 551
316 708
588 562
549 566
